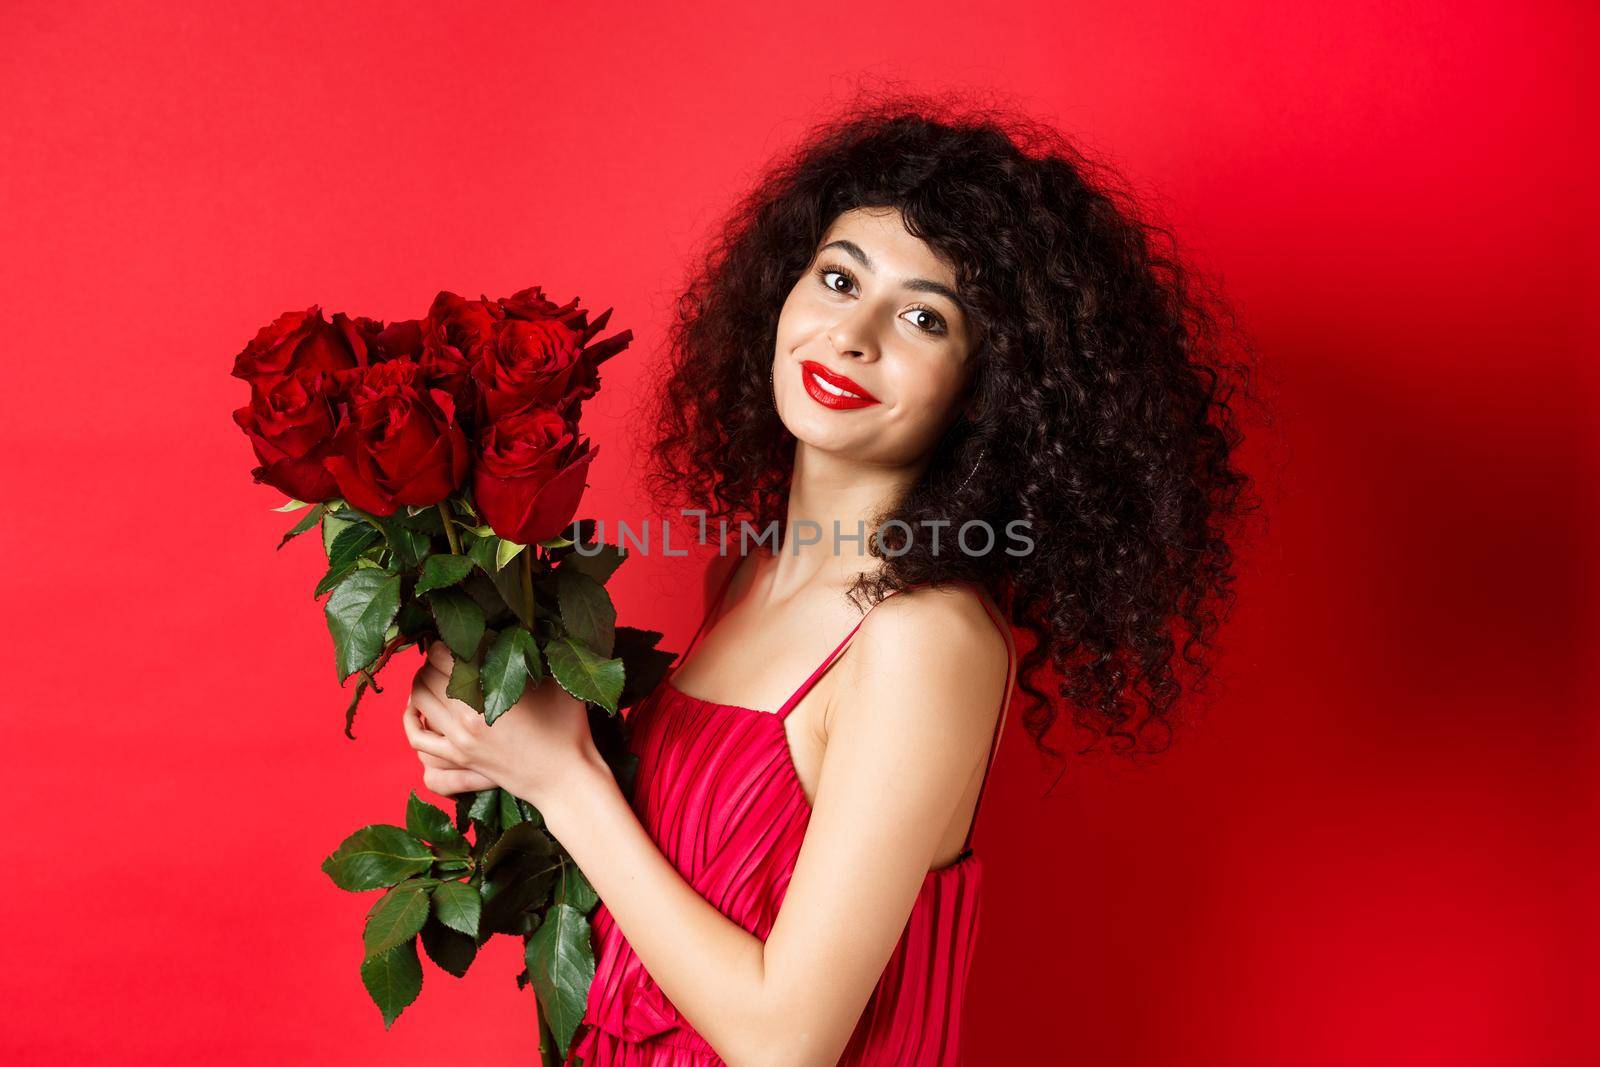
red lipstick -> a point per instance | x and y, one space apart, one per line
818 378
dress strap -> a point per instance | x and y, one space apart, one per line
822 668
994 742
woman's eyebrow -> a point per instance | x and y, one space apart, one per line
920 285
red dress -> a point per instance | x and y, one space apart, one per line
717 791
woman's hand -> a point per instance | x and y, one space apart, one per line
533 750
443 777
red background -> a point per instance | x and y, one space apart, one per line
1379 845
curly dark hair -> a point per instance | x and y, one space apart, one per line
1106 389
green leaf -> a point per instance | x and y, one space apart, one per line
507 583
518 873
425 520
586 610
331 580
358 613
458 906
293 505
505 671
483 803
452 950
483 549
584 674
535 664
443 570
429 823
376 856
460 621
600 565
333 524
517 844
510 810
645 665
308 520
397 917
557 542
560 962
574 889
464 685
530 812
505 552
409 545
393 980
347 548
350 544
413 620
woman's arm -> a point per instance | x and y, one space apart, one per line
909 734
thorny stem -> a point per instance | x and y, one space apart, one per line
369 680
449 528
527 581
549 1054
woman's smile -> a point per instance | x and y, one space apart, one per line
833 390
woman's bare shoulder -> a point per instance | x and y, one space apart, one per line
950 618
936 638
924 687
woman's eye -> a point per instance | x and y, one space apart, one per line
826 274
830 276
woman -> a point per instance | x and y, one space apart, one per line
922 323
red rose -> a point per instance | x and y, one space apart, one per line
398 340
584 383
584 380
527 364
398 442
444 367
290 426
453 330
532 305
362 336
530 475
300 343
462 324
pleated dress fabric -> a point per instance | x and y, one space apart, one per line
716 789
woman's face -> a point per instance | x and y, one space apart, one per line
875 315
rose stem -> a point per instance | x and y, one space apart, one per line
449 529
527 581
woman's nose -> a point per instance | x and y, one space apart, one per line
853 338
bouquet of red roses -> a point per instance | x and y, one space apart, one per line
441 458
